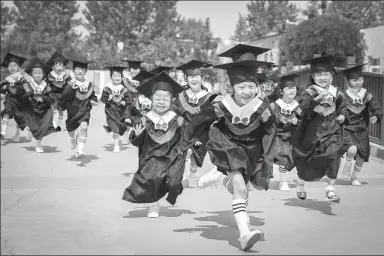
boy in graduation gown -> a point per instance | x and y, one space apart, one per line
161 163
58 79
187 104
12 86
362 109
37 102
240 127
287 113
79 97
318 140
115 97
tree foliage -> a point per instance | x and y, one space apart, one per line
241 32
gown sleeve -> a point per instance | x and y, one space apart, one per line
269 123
307 101
137 140
374 108
105 96
341 107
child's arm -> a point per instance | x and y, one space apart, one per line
94 101
4 87
341 108
269 123
69 92
374 109
309 99
105 96
47 97
137 136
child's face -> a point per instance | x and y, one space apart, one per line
289 92
172 73
161 101
134 71
322 79
80 73
37 74
244 92
116 77
179 75
356 83
58 66
13 67
195 82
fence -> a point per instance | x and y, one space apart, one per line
373 82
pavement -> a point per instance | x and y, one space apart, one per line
53 203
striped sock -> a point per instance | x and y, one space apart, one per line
240 212
82 141
282 169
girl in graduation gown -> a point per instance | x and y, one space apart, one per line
58 79
12 87
79 97
318 141
37 102
240 129
287 113
187 104
161 163
362 109
115 97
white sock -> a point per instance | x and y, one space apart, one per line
116 138
283 173
300 185
356 170
38 143
60 120
17 130
240 211
82 141
4 126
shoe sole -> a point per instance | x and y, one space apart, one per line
254 239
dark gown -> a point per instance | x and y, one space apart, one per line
282 148
318 140
13 89
237 146
136 110
359 112
187 107
161 163
58 84
114 110
77 102
38 115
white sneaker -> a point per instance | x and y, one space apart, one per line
16 138
80 153
39 150
154 209
356 183
116 149
248 240
283 186
209 178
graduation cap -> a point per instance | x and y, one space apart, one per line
161 81
241 71
81 63
10 57
143 76
288 80
115 68
193 67
243 52
354 72
57 56
37 63
135 64
160 69
321 64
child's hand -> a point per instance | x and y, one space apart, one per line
322 94
294 120
340 119
110 97
138 128
94 103
122 103
197 144
128 120
373 119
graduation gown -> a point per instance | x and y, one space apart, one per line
77 101
161 162
112 96
187 104
360 108
57 83
37 108
318 140
282 147
137 110
12 87
240 138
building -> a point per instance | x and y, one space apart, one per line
271 41
374 54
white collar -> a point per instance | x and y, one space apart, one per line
55 75
353 95
14 77
244 111
331 90
164 119
291 106
38 88
114 87
198 95
82 84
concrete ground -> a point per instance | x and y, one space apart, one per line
53 203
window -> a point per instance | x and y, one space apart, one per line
375 62
375 70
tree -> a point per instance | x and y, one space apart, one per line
322 34
269 16
364 13
241 32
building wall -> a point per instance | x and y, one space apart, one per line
374 54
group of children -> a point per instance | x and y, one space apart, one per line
262 121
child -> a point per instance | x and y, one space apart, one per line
286 110
58 79
37 102
362 109
12 86
318 141
240 129
115 98
161 163
187 105
79 97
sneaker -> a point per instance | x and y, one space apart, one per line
58 129
39 150
80 154
16 138
300 191
356 183
249 240
154 210
209 178
332 197
283 186
116 149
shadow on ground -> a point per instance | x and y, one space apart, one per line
311 205
10 141
84 160
226 228
274 185
109 147
165 211
47 149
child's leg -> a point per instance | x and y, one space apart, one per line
116 147
346 173
39 148
154 209
60 119
300 190
82 138
29 133
55 116
330 191
192 181
73 137
4 127
16 137
283 178
358 166
210 178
